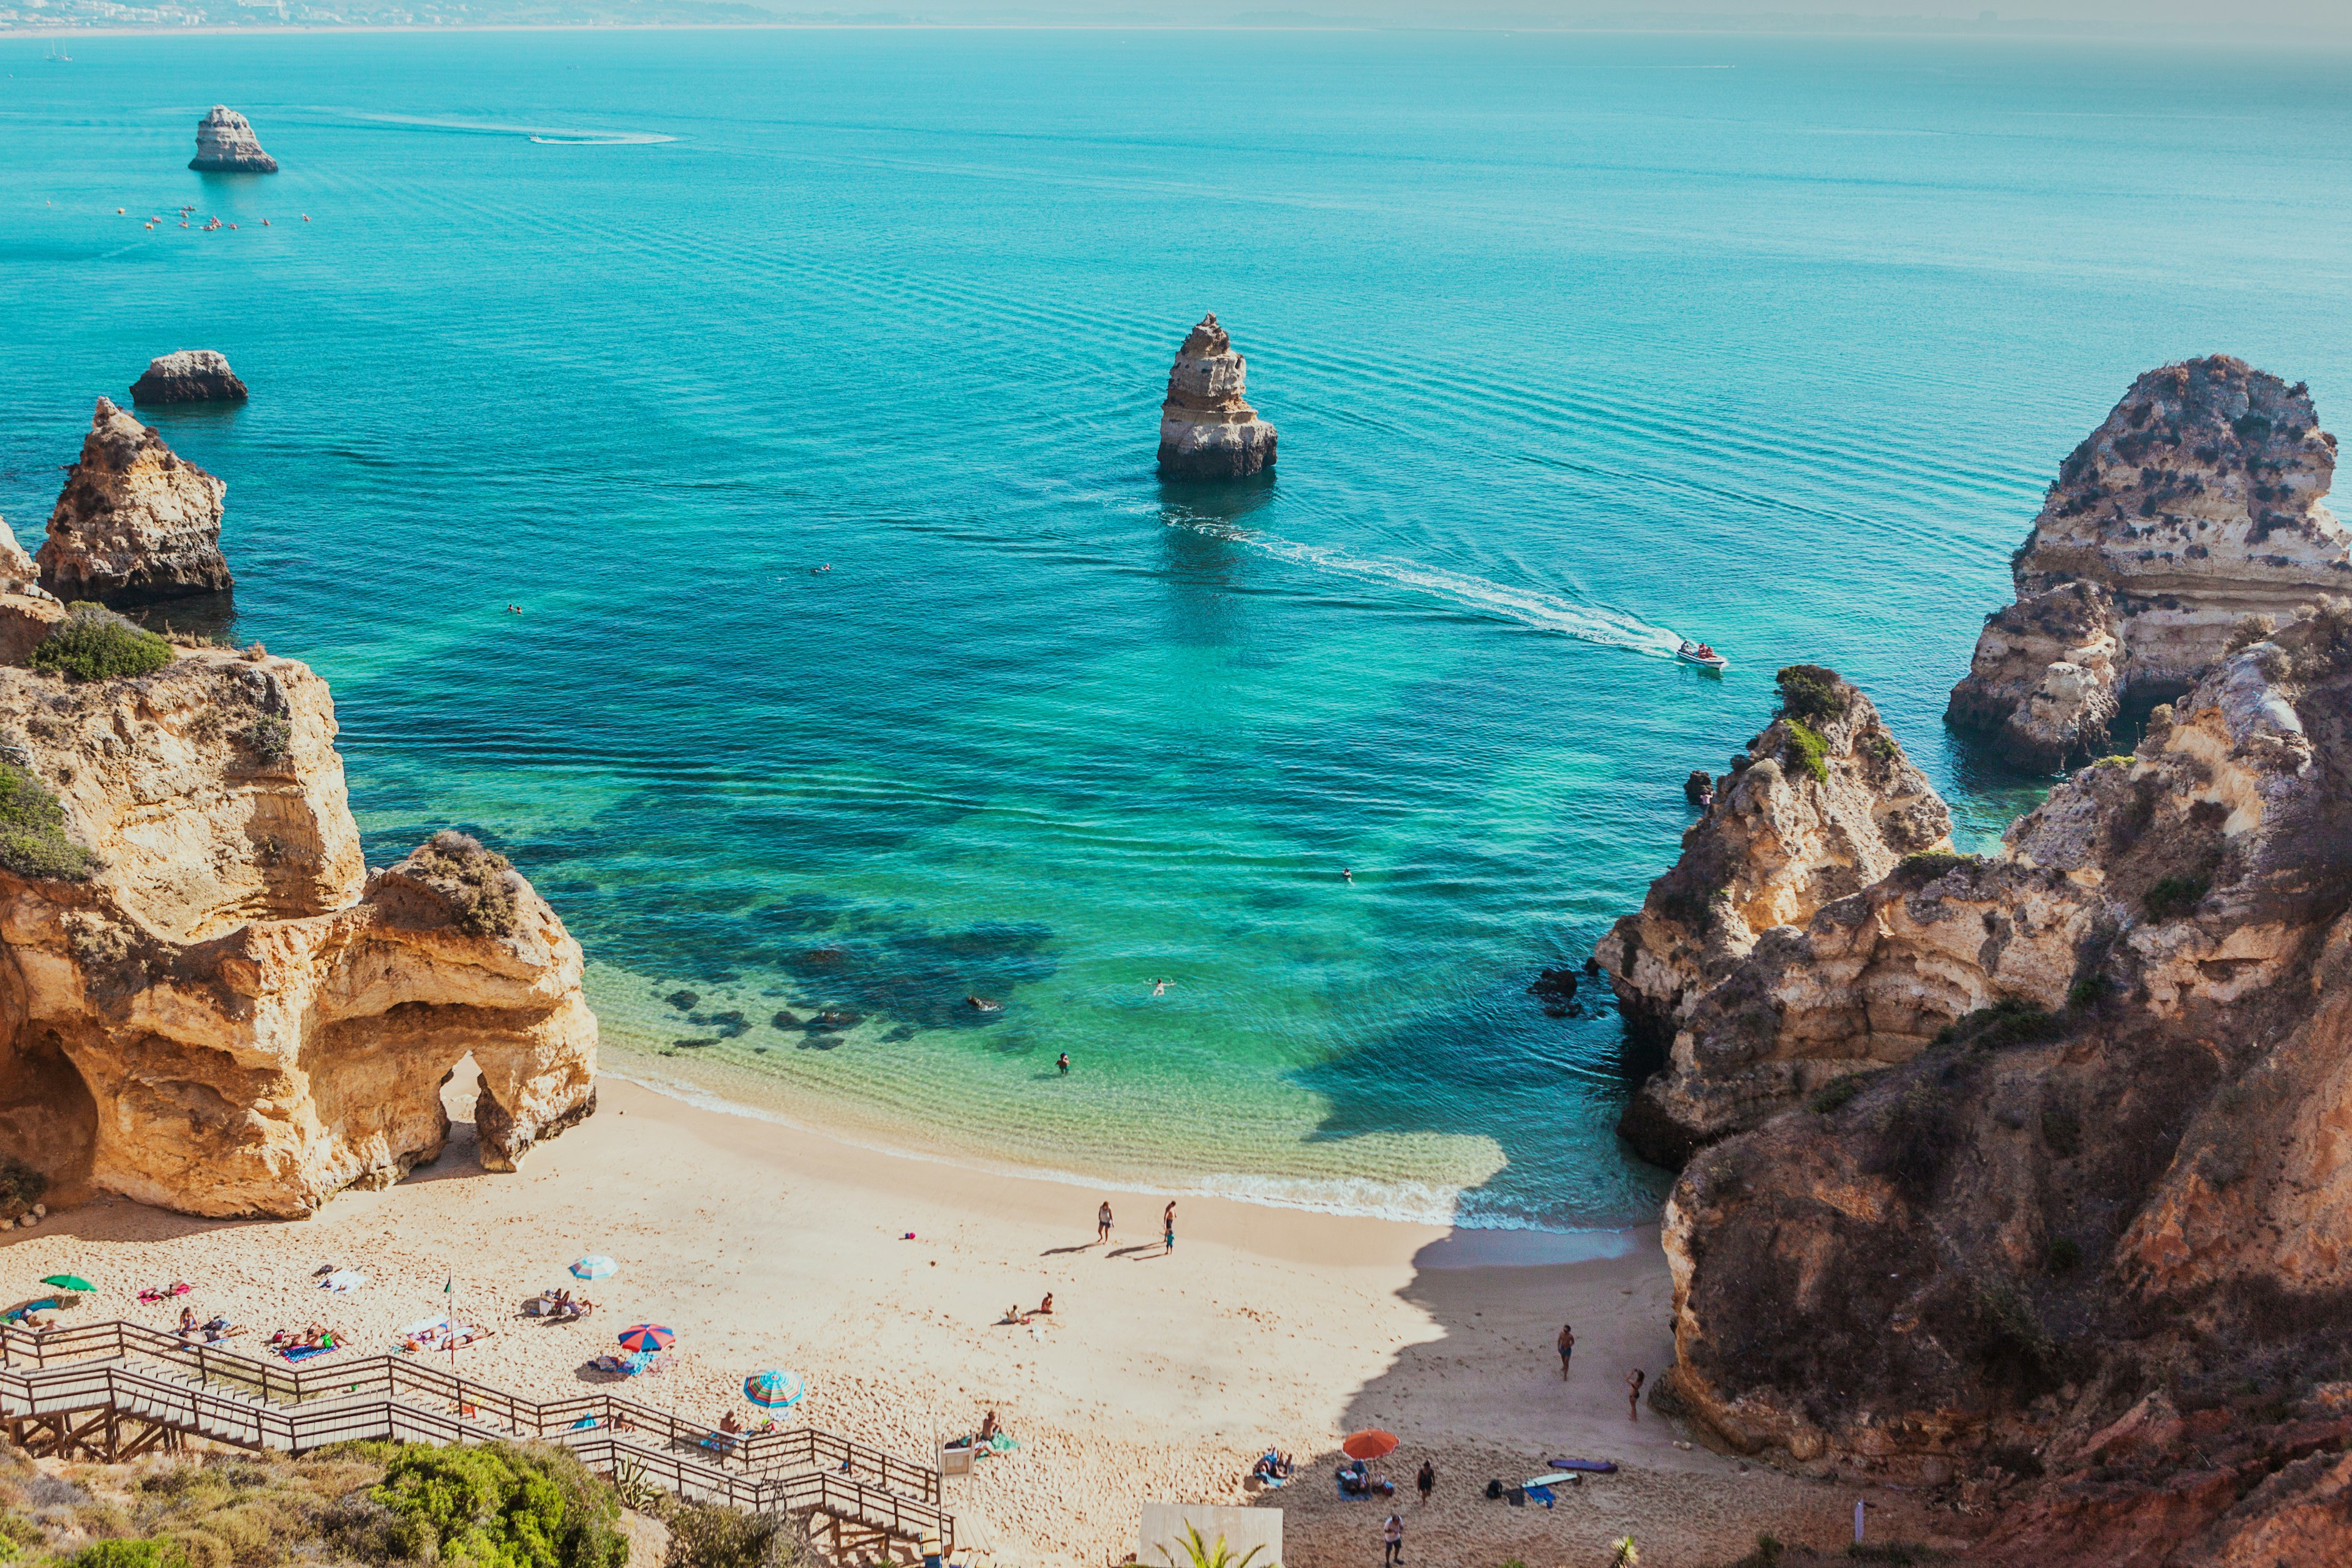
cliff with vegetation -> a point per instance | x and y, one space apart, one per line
1821 805
2056 1216
207 1002
2196 504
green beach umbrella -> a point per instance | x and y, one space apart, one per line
69 1282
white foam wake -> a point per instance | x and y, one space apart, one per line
1528 606
545 135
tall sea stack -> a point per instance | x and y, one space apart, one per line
1207 431
225 145
135 524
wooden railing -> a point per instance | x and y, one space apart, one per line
789 1469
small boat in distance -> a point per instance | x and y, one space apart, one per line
1699 654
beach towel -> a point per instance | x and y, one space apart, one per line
1003 1444
1516 1497
342 1281
302 1352
1540 1494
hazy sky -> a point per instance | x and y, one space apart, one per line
2327 18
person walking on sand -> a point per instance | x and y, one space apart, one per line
1566 1348
1634 1395
1426 1481
1168 1230
1102 1222
1393 1542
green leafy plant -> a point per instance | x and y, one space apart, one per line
33 842
2174 896
1806 748
501 1506
2008 1022
2087 992
125 1554
93 643
1199 1554
1810 692
2120 760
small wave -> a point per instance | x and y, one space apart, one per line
549 136
1528 606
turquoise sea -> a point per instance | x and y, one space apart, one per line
1575 344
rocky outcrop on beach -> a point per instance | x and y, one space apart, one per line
1207 429
2195 506
225 145
28 612
2077 1256
207 1002
135 524
191 376
1821 805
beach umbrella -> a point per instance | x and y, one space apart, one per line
654 1337
776 1390
1370 1444
69 1282
595 1267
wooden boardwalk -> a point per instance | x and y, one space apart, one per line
115 1391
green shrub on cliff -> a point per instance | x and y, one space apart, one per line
1805 747
2174 896
95 644
473 878
503 1505
1811 692
21 1187
33 841
711 1536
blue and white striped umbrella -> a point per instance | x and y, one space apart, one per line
776 1390
595 1267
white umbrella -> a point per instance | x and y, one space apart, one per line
595 1267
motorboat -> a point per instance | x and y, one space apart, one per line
1699 654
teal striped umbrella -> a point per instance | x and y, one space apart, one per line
776 1390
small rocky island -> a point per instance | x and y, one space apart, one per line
1207 429
191 376
211 1003
2021 1179
135 524
225 145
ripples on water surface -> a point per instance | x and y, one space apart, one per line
1573 348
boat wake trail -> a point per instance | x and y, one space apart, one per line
1527 606
546 136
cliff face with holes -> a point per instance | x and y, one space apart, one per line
2081 1264
1823 805
2196 504
227 1014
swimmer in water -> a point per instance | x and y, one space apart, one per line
1062 1062
1346 875
820 571
1159 987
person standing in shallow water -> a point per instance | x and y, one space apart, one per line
1102 1223
1566 1348
1062 1064
1634 1395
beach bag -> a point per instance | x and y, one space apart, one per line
1494 1490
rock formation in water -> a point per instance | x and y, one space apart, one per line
225 145
1823 805
206 1001
134 524
2063 1230
2195 506
1207 430
191 376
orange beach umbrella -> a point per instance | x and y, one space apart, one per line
1370 1444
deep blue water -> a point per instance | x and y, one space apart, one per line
1574 343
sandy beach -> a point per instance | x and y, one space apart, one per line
1159 1376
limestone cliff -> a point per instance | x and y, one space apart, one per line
135 524
206 1001
1207 429
2082 1263
1823 805
225 145
2196 505
191 376
28 612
